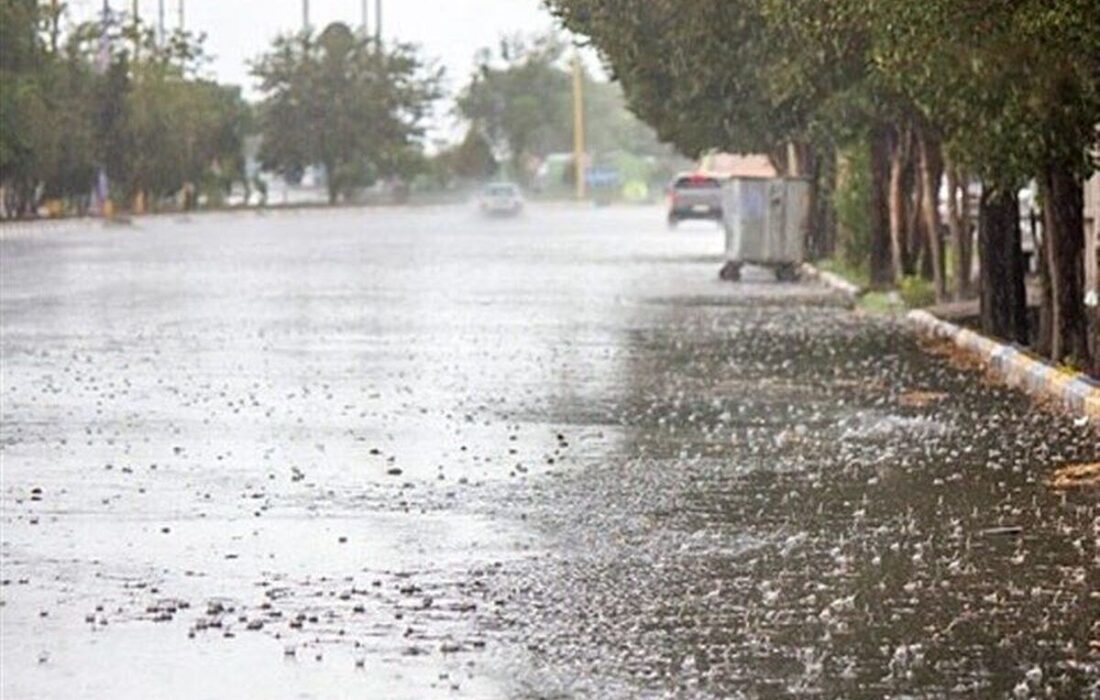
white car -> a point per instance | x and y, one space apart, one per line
500 199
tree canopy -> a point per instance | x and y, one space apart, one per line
344 102
519 99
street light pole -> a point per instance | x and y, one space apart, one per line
181 16
305 15
160 22
363 27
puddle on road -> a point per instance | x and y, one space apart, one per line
301 600
142 661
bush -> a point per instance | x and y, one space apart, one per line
917 292
856 274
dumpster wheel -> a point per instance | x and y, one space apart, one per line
786 273
730 272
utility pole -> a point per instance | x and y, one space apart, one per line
378 23
103 55
136 19
305 15
364 26
578 127
182 17
160 22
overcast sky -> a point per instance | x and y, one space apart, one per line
449 30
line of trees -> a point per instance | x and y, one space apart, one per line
108 97
109 105
923 96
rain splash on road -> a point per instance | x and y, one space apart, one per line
412 453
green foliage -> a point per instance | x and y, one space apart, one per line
610 127
746 76
469 161
520 100
22 103
916 292
1012 86
881 303
71 106
852 203
343 102
856 274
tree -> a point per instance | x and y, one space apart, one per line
470 160
342 102
752 76
21 101
521 101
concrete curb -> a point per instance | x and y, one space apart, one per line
31 227
834 282
1017 369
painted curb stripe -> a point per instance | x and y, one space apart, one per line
833 281
1076 393
1080 390
1016 368
1092 404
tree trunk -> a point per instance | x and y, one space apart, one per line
898 201
1003 294
815 224
331 182
803 163
1066 231
969 231
827 174
780 159
794 160
960 233
882 274
931 172
919 261
1044 343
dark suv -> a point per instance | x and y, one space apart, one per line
694 196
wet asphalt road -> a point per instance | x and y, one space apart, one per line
416 454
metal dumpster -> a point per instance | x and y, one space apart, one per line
766 222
